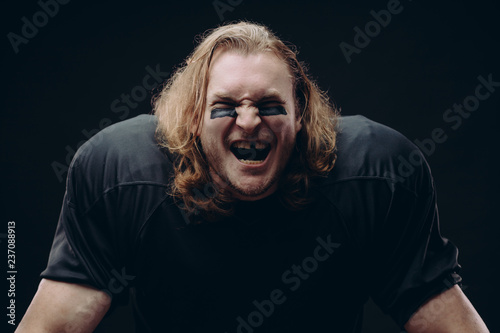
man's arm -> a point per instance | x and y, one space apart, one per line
64 307
448 312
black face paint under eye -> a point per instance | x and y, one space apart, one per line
272 111
219 113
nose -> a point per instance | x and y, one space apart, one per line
248 118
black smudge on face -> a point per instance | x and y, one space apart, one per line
219 113
272 111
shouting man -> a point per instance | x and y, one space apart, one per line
246 204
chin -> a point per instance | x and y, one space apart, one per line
249 191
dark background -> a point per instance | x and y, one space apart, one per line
63 81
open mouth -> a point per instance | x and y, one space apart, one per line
250 152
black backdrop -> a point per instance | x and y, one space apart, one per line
61 83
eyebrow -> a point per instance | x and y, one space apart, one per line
271 95
222 97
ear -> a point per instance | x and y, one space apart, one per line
298 113
298 122
298 125
195 128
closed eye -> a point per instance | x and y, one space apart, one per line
225 109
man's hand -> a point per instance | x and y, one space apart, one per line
64 307
448 312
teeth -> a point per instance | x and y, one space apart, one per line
244 145
250 162
248 145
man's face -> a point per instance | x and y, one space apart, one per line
250 124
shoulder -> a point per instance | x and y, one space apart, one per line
122 154
373 184
369 150
129 136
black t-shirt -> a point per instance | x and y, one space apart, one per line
371 230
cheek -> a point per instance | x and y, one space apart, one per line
283 127
215 127
276 125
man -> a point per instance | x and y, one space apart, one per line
246 205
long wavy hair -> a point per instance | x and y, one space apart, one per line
181 104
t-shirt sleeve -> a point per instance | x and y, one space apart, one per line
409 260
115 183
88 241
383 189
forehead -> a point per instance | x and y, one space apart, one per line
248 76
